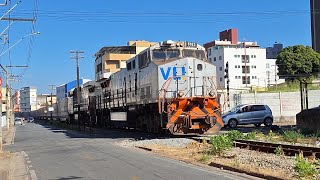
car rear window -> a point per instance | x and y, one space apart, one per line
259 108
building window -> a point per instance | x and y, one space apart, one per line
254 56
220 68
244 81
245 57
210 60
238 66
199 67
236 77
245 69
214 59
220 57
235 66
268 65
209 51
220 79
254 66
235 56
118 65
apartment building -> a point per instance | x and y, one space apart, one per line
111 59
247 61
16 101
28 99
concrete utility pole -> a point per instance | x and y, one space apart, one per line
9 104
1 116
77 57
52 87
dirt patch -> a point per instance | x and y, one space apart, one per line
4 161
13 166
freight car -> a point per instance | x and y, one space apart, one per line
170 85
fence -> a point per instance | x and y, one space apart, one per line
283 104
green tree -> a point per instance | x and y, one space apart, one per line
295 60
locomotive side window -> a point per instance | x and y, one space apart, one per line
134 64
129 66
199 67
143 59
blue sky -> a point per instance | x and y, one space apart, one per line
90 25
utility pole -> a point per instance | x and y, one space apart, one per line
9 105
275 76
52 87
1 116
77 57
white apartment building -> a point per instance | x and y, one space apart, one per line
248 65
28 99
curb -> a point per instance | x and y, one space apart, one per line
229 168
31 173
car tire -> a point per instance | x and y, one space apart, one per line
232 123
268 121
257 125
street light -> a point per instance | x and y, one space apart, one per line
32 34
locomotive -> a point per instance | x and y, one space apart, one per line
168 86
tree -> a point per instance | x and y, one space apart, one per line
298 60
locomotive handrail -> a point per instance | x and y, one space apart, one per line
163 89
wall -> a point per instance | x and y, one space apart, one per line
285 104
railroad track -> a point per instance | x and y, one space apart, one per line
289 150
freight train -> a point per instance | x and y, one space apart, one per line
168 86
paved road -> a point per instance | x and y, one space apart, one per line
60 155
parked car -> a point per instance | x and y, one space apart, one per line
256 114
18 121
30 119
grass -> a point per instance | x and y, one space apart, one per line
220 144
290 86
304 168
292 136
205 157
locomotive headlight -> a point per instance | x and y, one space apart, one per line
180 94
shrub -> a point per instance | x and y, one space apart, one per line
220 144
304 168
234 134
279 151
251 136
292 136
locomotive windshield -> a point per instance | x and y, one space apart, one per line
194 53
164 54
